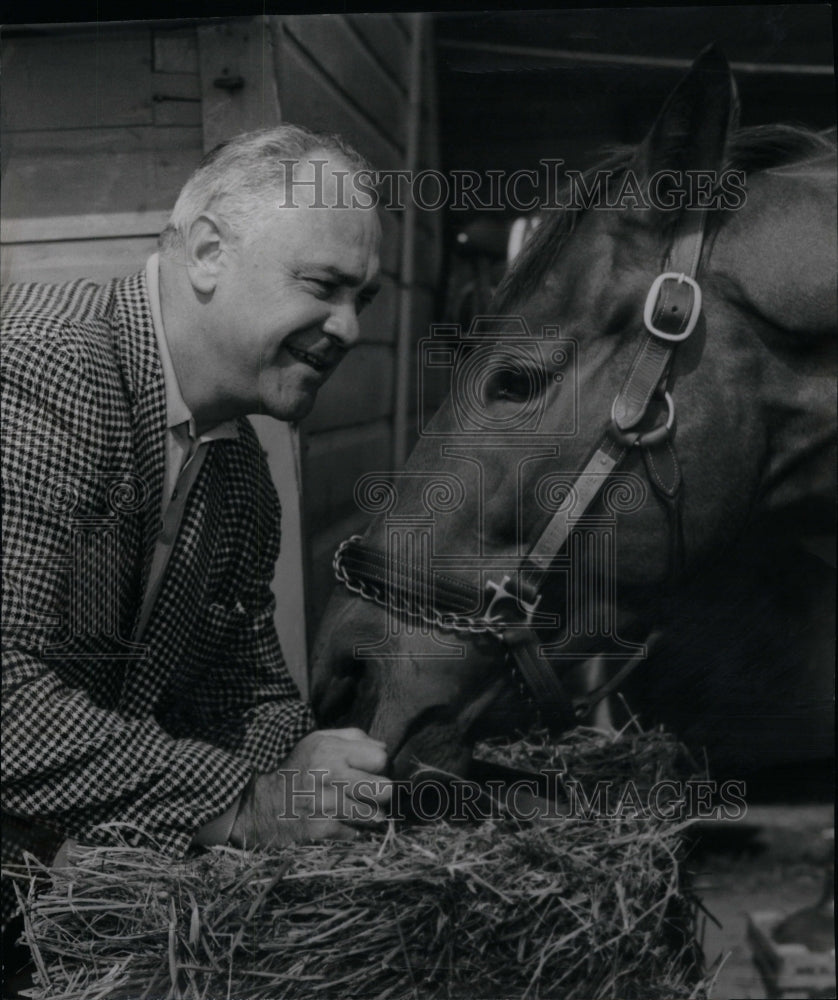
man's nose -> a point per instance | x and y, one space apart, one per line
342 324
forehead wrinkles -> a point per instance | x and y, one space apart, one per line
355 226
346 238
324 235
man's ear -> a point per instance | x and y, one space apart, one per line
206 249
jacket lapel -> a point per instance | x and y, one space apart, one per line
181 604
143 379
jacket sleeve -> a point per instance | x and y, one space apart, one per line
69 760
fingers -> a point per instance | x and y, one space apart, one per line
364 785
351 733
370 757
358 798
338 750
331 782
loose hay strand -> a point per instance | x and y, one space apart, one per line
588 908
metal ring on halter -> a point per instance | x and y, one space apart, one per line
629 439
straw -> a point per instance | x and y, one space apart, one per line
586 907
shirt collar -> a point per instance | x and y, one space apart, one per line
177 412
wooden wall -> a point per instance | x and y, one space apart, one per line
100 129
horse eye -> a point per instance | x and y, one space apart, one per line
514 385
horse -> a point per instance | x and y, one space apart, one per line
635 466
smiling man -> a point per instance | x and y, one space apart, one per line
273 279
144 691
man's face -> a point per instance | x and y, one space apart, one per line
287 301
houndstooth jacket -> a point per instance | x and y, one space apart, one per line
155 738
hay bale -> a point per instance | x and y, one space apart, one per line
585 907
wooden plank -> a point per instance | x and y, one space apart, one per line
176 87
176 99
427 259
402 22
310 99
73 227
359 391
391 234
432 383
430 144
175 51
101 140
321 579
241 50
378 320
281 445
77 81
177 113
424 312
335 460
97 178
389 44
337 51
66 260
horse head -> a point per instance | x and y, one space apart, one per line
635 463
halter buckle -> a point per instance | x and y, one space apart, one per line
501 593
652 302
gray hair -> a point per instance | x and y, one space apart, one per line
234 178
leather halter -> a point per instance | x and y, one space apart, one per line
672 308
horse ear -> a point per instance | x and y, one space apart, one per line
692 130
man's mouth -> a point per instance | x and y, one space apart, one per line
312 360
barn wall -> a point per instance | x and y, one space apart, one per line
100 130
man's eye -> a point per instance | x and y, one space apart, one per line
362 302
323 286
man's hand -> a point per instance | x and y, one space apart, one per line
330 784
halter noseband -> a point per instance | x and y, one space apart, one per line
672 309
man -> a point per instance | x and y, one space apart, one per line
144 691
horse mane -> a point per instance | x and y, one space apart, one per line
758 147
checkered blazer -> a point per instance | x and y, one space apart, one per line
157 737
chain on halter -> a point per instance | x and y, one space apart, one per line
369 589
386 598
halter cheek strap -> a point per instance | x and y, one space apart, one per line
672 308
671 311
